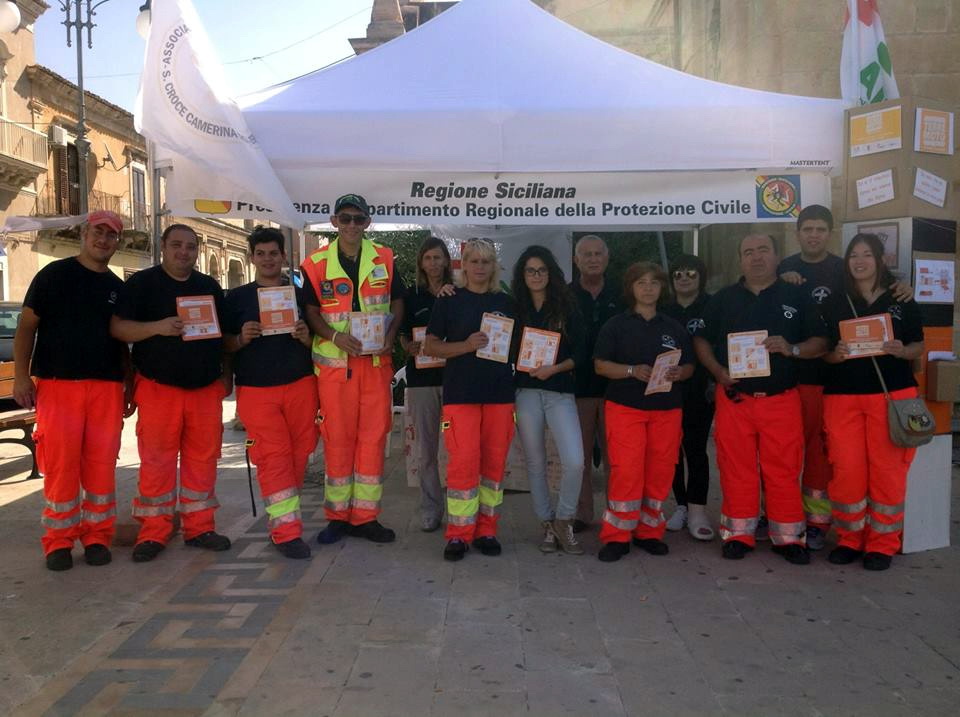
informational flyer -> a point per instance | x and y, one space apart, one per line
747 357
875 189
499 330
370 329
537 348
866 335
877 131
930 188
934 131
936 281
199 317
421 360
278 310
658 382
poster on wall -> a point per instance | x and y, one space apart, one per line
875 189
874 132
933 132
935 280
930 188
889 234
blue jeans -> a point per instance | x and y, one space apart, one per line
535 410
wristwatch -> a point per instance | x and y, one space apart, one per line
629 371
795 351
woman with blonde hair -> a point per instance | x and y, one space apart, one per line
478 397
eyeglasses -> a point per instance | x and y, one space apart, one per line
689 273
531 271
357 219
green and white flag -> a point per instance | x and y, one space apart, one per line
866 73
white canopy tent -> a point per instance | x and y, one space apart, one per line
497 112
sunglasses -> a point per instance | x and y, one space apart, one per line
689 273
357 219
530 271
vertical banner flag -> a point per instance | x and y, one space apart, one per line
184 107
866 73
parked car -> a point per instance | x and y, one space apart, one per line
9 318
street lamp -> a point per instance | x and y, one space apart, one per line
74 10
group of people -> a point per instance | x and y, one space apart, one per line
318 378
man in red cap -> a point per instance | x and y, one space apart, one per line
79 392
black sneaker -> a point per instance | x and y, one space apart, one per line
652 545
334 531
612 552
97 554
735 550
147 550
580 525
794 553
488 545
209 541
295 549
59 559
842 555
455 550
877 561
373 531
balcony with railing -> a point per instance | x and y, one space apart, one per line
23 154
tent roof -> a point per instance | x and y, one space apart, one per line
501 85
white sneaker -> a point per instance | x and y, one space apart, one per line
678 520
549 542
698 523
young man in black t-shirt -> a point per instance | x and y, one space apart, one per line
79 396
172 315
276 391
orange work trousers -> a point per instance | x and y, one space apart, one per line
355 417
869 472
642 447
816 465
78 440
177 423
281 423
760 442
477 437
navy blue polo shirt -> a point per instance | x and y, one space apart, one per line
782 309
595 313
630 339
417 305
691 318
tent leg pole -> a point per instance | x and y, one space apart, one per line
663 251
696 241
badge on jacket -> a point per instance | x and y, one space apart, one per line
326 290
379 272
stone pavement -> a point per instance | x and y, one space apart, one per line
363 629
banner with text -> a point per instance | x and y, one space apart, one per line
614 198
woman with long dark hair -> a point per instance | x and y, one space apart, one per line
869 481
423 398
545 394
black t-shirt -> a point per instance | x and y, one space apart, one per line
691 318
467 378
151 295
823 280
417 305
74 305
858 376
594 313
630 339
352 269
571 346
267 360
782 309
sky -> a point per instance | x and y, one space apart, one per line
260 43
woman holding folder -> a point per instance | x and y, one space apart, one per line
551 337
472 330
869 472
644 353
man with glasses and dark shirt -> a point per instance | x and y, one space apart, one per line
598 302
352 277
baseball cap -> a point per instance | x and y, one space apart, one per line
102 216
352 200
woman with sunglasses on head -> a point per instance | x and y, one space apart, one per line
545 394
643 431
478 397
689 280
869 481
424 398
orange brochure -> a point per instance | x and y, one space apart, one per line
199 316
278 310
537 348
421 360
658 383
747 357
499 330
865 335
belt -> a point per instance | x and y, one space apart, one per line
735 394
